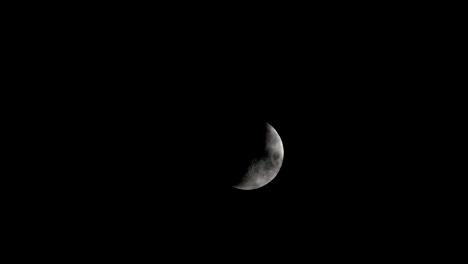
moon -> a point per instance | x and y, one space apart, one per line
264 168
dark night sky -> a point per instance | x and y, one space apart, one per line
152 110
161 130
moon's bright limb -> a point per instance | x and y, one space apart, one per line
264 169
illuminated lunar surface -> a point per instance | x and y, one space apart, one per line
264 169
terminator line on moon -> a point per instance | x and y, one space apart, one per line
264 169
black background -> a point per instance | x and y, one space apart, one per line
155 117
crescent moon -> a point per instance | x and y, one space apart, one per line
264 168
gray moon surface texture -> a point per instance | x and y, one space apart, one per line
263 170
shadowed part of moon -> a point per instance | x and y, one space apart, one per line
264 168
